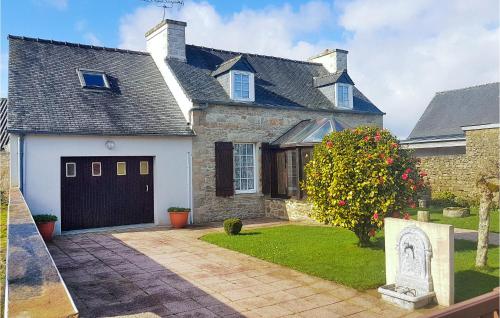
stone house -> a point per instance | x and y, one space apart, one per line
103 136
456 136
240 105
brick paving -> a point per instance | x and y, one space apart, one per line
158 272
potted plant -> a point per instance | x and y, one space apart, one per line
178 216
45 224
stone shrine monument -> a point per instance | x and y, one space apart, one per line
413 288
419 263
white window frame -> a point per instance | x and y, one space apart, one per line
80 72
67 164
251 86
100 169
254 190
338 87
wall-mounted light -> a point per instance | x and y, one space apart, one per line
110 144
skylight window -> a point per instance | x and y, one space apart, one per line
93 79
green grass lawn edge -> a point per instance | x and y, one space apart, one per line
331 253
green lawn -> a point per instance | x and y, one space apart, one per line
470 222
3 244
331 253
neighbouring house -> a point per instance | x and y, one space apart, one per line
102 136
457 133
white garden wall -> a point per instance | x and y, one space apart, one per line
42 160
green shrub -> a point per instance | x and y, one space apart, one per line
232 226
443 198
177 209
40 218
357 177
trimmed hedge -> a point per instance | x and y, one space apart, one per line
41 218
232 226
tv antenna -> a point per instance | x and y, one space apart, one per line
166 4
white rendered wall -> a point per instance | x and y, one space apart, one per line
42 154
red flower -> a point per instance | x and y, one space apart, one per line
367 138
404 176
369 156
413 187
408 170
378 137
372 233
394 145
423 174
406 216
389 161
342 202
375 216
382 155
329 144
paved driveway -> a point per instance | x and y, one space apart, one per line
162 272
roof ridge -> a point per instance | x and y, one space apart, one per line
73 44
253 54
465 88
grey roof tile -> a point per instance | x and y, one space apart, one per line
279 82
239 63
332 78
45 94
450 110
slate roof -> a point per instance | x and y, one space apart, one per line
45 94
450 110
4 135
279 82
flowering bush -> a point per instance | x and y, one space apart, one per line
357 177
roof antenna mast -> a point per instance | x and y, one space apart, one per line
166 4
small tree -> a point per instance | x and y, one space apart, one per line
356 177
487 183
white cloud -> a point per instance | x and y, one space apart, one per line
400 52
92 39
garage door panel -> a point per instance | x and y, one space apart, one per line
108 199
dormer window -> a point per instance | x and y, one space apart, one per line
93 79
237 78
344 95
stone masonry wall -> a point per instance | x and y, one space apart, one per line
458 173
242 124
288 209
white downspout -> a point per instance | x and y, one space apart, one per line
190 187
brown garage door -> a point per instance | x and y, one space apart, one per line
106 191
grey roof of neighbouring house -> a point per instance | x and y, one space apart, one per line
45 94
279 82
4 135
450 110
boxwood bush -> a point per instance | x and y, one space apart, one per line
40 218
232 226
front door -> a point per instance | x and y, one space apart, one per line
106 191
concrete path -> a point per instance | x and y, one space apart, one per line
161 272
471 235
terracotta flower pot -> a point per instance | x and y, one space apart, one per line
179 219
46 230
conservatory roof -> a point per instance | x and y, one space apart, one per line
309 132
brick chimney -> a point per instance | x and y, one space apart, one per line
333 60
167 40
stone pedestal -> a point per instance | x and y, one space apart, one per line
423 203
423 216
456 212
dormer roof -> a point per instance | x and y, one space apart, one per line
238 63
332 78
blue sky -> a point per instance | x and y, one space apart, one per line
400 52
